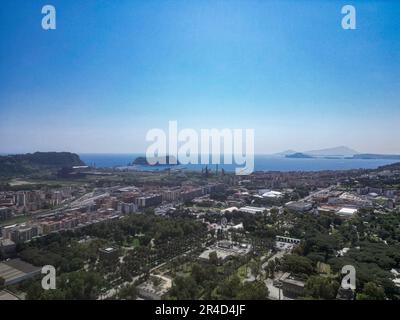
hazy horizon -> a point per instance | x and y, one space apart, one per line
144 152
111 71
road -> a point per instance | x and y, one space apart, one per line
313 194
273 291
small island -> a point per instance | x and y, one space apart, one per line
142 161
298 155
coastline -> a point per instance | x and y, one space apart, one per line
262 163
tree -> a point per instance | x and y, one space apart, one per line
229 288
213 258
270 268
198 273
371 291
255 290
34 291
128 292
321 287
255 267
297 264
184 288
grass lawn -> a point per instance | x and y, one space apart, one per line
132 243
242 272
135 242
19 219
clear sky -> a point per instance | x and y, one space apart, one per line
112 70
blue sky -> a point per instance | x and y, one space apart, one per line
112 70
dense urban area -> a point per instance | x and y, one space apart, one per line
174 234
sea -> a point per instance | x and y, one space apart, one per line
261 163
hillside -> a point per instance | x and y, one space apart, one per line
11 165
341 151
393 166
336 151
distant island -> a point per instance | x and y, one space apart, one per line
284 153
28 163
298 155
376 156
170 161
332 152
335 152
341 152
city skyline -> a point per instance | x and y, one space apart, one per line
112 71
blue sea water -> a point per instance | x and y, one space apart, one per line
261 163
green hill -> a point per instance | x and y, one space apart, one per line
18 164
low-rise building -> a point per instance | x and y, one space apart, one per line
15 270
346 212
230 210
272 194
5 213
292 287
285 243
299 206
155 288
24 233
7 247
225 249
253 210
172 194
191 193
149 201
7 295
127 208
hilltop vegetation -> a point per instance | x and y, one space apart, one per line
22 164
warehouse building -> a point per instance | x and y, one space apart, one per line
15 270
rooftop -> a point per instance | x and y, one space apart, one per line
272 194
347 211
250 209
16 270
5 295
